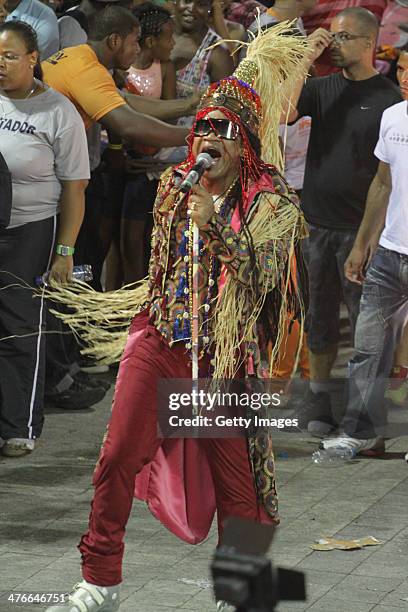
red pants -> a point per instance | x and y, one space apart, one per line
132 442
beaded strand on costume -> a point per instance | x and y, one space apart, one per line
183 324
212 275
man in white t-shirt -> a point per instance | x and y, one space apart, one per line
384 302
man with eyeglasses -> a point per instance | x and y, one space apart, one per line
323 14
346 110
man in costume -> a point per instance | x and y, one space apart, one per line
249 224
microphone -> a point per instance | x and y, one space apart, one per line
203 162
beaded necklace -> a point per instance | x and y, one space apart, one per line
183 324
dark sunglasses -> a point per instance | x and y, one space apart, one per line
223 128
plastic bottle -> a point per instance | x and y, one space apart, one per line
80 273
333 457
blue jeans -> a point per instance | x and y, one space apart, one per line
383 312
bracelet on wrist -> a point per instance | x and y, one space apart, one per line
64 250
115 147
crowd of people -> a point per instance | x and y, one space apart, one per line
104 108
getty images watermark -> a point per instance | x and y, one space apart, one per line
220 409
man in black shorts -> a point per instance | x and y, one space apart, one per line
346 109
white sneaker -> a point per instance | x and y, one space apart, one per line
88 597
369 447
17 447
223 606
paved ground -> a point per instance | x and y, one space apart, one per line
44 505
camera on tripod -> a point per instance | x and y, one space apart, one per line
243 576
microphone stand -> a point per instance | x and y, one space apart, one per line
195 319
194 289
194 314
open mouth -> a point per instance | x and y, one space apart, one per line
188 18
215 153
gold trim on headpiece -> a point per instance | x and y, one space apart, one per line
247 71
230 94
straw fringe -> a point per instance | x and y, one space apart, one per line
279 56
235 316
99 320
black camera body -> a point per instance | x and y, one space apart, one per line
244 577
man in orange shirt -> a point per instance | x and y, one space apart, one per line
82 74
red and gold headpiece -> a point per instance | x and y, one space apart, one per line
260 87
236 94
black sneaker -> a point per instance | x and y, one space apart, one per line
316 414
77 397
89 381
